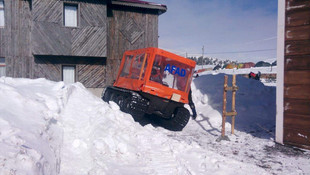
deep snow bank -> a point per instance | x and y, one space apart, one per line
255 102
50 128
253 141
110 142
30 139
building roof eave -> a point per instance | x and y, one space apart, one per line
141 4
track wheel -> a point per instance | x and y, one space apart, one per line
120 101
107 95
113 97
125 107
180 119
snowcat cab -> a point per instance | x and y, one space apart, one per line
153 81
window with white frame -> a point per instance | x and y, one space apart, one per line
68 74
1 13
70 15
2 67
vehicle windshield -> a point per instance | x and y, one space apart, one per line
171 73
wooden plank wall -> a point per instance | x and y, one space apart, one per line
27 22
297 74
15 37
51 37
35 27
147 20
90 71
2 42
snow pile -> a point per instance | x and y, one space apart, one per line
30 139
255 103
110 142
53 128
50 128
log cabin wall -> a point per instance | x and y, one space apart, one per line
297 74
2 43
85 46
51 37
36 44
15 39
143 27
90 71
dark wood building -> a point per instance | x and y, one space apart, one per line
293 88
73 40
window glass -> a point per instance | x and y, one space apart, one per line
126 67
68 74
2 67
137 66
157 71
70 16
171 73
1 13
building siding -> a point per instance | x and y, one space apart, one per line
146 20
297 74
90 71
51 37
36 44
16 37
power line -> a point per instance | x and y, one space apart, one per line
256 41
245 51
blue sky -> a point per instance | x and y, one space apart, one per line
242 30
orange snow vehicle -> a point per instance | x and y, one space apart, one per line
153 81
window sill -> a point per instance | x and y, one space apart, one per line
71 27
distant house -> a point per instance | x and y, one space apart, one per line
240 65
230 66
293 76
248 65
73 41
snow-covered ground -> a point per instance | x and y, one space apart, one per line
242 71
263 70
51 128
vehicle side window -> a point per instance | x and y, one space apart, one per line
157 70
171 73
126 67
136 66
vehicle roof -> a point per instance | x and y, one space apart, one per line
159 51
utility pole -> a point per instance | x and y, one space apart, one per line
203 50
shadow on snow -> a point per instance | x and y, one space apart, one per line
255 103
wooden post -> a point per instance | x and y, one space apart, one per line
233 104
233 111
224 105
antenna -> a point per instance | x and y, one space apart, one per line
203 50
